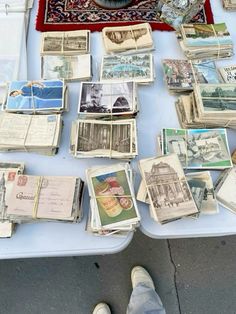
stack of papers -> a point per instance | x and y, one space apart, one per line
201 41
176 13
113 207
8 173
45 197
36 97
134 67
128 38
165 188
180 75
30 133
210 105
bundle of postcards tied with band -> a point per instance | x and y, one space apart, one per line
113 208
210 105
205 41
31 119
106 125
229 5
31 198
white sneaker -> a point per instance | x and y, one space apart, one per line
102 308
140 275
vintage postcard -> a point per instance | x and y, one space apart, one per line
111 189
31 96
228 73
106 139
107 98
225 189
65 42
123 38
217 99
201 186
136 67
206 34
169 194
198 148
68 67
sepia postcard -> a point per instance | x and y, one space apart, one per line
137 67
202 189
67 67
169 194
126 38
94 138
198 148
35 96
106 99
71 42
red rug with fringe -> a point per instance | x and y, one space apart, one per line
65 15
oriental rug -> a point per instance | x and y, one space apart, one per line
65 15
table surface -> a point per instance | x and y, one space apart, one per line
157 111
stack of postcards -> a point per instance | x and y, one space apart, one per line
66 55
201 41
8 172
45 198
113 207
176 13
229 5
210 105
165 188
228 73
134 67
225 188
128 38
198 148
36 97
180 75
106 126
30 133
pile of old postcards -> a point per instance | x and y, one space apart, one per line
229 5
31 119
176 13
180 75
106 126
173 195
27 198
210 105
113 207
66 55
201 41
128 38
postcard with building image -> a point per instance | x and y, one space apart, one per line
104 137
198 148
206 35
114 197
217 99
35 95
168 191
107 98
65 42
136 67
201 186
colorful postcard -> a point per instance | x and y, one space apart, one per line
35 95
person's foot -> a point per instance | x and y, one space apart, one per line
102 308
140 275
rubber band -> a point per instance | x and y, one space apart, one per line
218 42
27 132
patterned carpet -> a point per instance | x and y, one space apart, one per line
65 15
